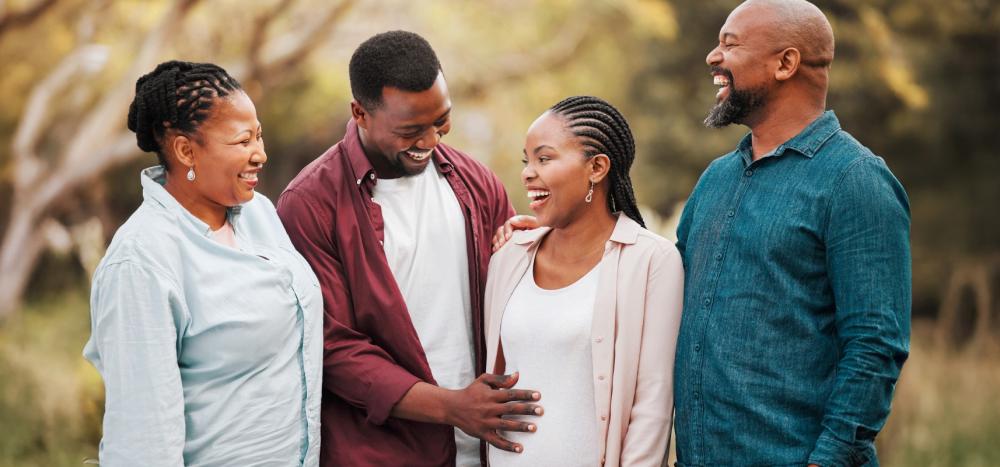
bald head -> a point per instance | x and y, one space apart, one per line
793 23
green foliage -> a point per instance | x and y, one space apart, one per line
51 399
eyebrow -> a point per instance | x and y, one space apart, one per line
247 130
417 126
540 147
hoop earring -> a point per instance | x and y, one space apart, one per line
590 193
190 174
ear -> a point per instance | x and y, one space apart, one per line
182 149
788 63
359 114
600 166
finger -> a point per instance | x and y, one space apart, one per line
518 395
522 409
502 424
500 442
497 381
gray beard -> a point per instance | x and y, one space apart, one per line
736 108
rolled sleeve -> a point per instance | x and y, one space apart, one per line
136 315
868 259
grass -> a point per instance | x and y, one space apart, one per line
946 411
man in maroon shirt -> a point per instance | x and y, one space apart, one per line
396 281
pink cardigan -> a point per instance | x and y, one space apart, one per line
637 314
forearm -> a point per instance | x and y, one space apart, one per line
424 403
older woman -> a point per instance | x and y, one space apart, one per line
206 324
587 309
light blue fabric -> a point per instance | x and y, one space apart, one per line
211 356
796 316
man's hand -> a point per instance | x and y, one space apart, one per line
478 409
519 222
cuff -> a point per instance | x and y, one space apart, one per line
831 452
386 393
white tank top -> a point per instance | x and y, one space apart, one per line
546 337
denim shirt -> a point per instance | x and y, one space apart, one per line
210 355
796 317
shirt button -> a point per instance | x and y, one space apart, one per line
718 256
708 301
748 172
598 339
600 378
372 176
380 242
359 181
373 200
731 213
604 418
697 347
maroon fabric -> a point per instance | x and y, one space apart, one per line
372 354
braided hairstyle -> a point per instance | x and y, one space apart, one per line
603 130
175 95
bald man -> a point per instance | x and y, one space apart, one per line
796 253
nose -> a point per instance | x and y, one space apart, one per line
528 173
714 57
259 156
429 141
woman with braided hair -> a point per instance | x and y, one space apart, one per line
205 322
587 309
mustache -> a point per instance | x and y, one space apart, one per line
723 71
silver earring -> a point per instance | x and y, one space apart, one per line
190 174
590 193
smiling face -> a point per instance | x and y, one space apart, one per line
740 66
556 172
228 152
400 135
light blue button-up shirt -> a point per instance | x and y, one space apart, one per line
210 355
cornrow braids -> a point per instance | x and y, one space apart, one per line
175 95
603 130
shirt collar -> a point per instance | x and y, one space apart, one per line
153 179
361 167
626 232
807 142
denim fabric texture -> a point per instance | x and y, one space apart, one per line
796 317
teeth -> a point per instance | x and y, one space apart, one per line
252 176
419 156
720 80
535 194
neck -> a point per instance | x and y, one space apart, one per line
580 238
780 123
207 211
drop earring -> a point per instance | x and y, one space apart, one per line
590 193
190 174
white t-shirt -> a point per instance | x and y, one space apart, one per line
426 250
545 336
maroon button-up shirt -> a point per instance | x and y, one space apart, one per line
372 355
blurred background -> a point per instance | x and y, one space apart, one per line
917 81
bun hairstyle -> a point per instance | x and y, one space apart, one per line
603 130
175 95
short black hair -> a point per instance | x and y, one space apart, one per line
398 59
175 95
602 129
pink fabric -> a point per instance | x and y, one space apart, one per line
225 235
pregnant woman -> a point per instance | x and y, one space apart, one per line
587 309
